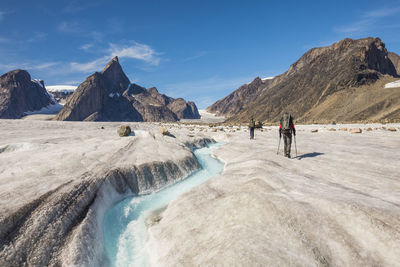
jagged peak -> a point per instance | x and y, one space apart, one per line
18 73
153 90
114 62
115 77
136 89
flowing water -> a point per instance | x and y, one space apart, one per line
125 231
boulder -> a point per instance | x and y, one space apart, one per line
314 131
164 131
332 129
343 129
392 129
124 130
355 130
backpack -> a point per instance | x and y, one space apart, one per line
286 122
252 123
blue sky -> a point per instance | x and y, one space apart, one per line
199 50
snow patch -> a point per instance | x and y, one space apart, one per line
61 88
394 84
50 109
267 78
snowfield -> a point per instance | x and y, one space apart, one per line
394 84
61 88
337 203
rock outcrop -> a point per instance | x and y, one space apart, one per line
20 94
395 60
343 82
109 96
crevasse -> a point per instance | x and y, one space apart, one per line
124 227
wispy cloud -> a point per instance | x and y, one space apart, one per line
381 13
138 51
2 13
4 40
37 36
195 56
68 27
86 47
367 21
90 66
135 50
28 66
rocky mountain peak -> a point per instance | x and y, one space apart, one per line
135 89
109 96
153 90
17 75
19 94
112 64
318 84
116 80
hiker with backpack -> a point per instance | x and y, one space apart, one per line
252 125
286 129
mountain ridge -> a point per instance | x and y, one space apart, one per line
109 96
347 67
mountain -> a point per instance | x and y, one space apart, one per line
20 94
240 98
109 96
342 82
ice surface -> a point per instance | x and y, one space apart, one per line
50 109
125 228
394 84
57 179
336 204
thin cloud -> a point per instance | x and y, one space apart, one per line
38 36
367 21
68 27
381 13
90 66
138 51
196 56
4 40
86 47
2 13
356 27
28 66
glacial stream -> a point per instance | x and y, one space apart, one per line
125 231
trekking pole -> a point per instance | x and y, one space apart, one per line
279 145
295 145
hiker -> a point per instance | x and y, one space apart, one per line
286 128
252 124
